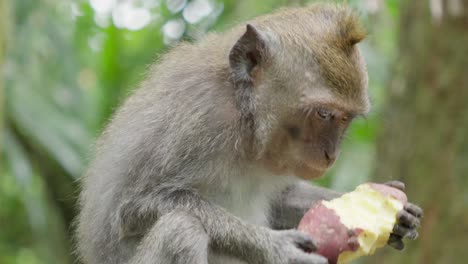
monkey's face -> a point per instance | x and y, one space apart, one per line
301 92
303 115
309 142
315 142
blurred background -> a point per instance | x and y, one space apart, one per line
66 65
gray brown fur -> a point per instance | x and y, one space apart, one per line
177 178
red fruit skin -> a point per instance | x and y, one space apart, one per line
390 191
331 236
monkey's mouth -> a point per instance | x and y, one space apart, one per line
308 171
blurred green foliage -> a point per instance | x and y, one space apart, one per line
67 69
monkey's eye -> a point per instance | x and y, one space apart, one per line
348 118
324 113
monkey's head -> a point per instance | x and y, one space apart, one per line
300 80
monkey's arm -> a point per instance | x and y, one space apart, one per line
188 210
289 208
186 222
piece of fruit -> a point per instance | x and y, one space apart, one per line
355 224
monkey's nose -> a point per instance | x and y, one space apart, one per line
330 158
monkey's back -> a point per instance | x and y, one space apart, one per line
150 139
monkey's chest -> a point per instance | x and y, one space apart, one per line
254 210
249 200
245 202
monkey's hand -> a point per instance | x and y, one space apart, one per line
293 247
407 223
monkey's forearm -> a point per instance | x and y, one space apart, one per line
295 200
227 233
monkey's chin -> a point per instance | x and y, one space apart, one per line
307 173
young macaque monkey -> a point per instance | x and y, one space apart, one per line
208 161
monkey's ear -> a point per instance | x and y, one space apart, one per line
247 53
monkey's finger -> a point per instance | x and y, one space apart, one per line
414 210
408 219
405 232
396 184
401 230
304 241
396 242
353 243
413 234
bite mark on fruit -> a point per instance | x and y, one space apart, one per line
355 224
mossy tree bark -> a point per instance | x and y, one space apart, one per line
424 140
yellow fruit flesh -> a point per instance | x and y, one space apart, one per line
369 210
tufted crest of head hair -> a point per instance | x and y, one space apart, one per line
336 24
327 32
349 30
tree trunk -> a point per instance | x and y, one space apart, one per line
424 140
3 43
